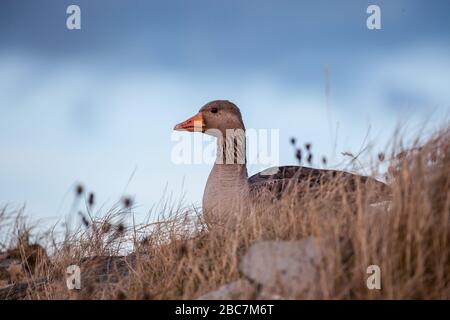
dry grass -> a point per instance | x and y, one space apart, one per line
176 257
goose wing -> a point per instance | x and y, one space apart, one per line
276 180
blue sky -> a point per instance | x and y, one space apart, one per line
97 104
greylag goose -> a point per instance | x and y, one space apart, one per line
228 188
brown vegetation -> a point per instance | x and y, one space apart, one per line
177 257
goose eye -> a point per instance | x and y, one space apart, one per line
214 110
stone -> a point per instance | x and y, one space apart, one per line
283 268
240 289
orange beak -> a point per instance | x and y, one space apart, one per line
194 124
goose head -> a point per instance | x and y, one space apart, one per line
214 118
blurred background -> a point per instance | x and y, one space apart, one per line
97 106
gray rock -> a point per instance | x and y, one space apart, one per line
283 268
240 289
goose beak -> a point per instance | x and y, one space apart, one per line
193 124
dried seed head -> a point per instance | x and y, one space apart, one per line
120 228
84 219
324 160
308 146
293 141
348 154
79 190
298 155
309 159
127 202
381 156
106 227
91 199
